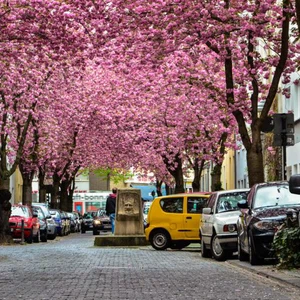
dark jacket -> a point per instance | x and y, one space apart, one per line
111 204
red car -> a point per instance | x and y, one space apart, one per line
31 223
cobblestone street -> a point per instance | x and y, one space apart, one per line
72 268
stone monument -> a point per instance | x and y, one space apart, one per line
129 213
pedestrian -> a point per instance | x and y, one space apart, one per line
111 208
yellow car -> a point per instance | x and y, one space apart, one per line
173 221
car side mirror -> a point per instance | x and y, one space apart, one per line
294 184
206 211
242 204
35 215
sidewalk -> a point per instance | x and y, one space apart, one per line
291 277
267 270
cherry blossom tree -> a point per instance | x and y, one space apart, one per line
252 40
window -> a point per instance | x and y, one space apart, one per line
196 204
229 201
172 205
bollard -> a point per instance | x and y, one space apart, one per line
22 232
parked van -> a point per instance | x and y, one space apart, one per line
173 221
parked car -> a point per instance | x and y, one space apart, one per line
59 220
173 221
261 214
87 221
43 223
73 223
24 213
78 219
52 231
101 222
67 220
218 230
146 207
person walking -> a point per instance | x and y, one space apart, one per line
111 208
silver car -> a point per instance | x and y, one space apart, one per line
52 231
218 228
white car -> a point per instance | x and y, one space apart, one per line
218 229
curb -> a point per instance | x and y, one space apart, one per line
291 277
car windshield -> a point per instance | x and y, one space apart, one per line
39 212
19 211
275 195
101 213
229 201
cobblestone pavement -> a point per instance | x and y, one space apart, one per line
72 268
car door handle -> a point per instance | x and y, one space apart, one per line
188 217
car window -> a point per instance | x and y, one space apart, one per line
211 201
55 213
21 211
274 195
172 205
196 204
39 212
229 201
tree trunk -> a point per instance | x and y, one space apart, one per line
42 187
216 184
5 211
158 188
64 186
197 175
255 163
55 192
27 189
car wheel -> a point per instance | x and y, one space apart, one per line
30 238
253 258
61 232
37 237
96 232
179 245
44 237
52 236
241 254
217 250
160 240
204 251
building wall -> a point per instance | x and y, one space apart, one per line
292 104
228 170
242 180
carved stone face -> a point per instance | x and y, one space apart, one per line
128 207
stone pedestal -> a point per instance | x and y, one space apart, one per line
129 213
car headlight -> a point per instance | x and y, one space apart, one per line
50 221
97 222
266 225
229 228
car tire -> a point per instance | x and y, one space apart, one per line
206 253
96 232
44 237
30 238
52 236
160 240
217 251
37 238
253 258
242 256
